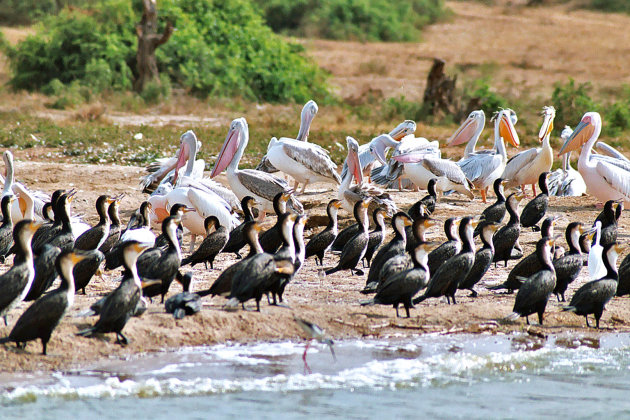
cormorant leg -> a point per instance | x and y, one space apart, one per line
558 297
527 319
258 305
505 263
83 291
243 305
563 298
540 317
124 340
448 299
407 310
454 301
44 343
597 322
6 324
397 314
587 324
206 264
483 192
473 293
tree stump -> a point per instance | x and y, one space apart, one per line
439 94
148 41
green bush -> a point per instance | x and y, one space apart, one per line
365 20
220 47
479 93
572 101
610 5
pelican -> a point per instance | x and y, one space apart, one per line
387 174
420 168
606 178
484 166
566 181
305 162
525 167
376 149
306 119
360 191
258 184
11 188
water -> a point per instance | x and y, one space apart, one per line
456 376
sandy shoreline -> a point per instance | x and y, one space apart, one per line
332 302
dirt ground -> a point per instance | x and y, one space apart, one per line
332 301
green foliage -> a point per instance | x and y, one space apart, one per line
365 20
219 48
572 101
23 12
610 5
481 94
617 115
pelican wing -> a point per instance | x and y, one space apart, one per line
365 158
618 178
518 162
210 204
313 157
445 168
479 165
210 186
261 183
620 163
607 150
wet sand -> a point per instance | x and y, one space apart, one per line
332 302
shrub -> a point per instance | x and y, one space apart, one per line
365 20
572 101
610 5
221 47
479 93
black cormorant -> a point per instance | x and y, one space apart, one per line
377 236
483 258
535 210
95 237
237 239
115 227
534 294
42 317
211 246
496 211
355 248
447 249
593 296
568 266
6 229
506 237
321 242
445 280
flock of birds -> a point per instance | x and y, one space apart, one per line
49 243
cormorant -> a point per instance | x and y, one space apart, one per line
401 287
138 229
535 210
483 257
95 237
184 303
43 316
447 249
122 302
593 296
355 248
223 284
237 239
608 217
445 280
211 246
506 237
6 229
271 240
415 233
45 272
157 263
15 283
534 294
528 265
394 247
568 266
59 235
377 236
86 269
495 212
115 227
428 201
320 243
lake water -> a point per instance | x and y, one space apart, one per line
446 376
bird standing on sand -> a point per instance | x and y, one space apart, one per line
320 243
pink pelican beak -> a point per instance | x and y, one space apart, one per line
584 131
468 128
353 160
230 146
184 155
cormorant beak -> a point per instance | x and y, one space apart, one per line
76 258
337 204
188 209
407 222
429 222
303 220
591 233
286 196
257 227
366 203
149 283
475 222
619 248
33 226
140 247
110 200
292 217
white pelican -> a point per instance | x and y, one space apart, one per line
163 170
566 181
409 145
258 184
607 150
376 149
19 206
525 167
484 166
305 162
421 167
309 110
349 195
606 178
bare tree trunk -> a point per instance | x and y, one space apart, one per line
148 41
439 94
